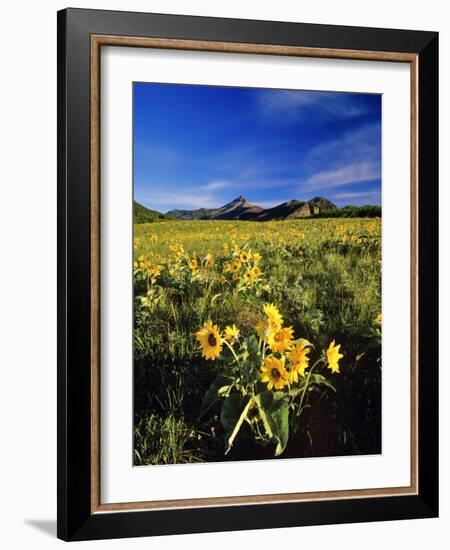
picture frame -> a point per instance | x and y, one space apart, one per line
81 36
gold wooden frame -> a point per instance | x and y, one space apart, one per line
97 41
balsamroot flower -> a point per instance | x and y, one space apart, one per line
274 373
333 357
210 340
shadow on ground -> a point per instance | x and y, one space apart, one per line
47 526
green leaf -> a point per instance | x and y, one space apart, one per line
280 414
252 345
274 412
305 342
374 343
314 380
234 412
263 402
213 393
320 380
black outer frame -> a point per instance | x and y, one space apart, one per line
75 521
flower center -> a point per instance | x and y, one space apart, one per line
212 340
279 336
276 374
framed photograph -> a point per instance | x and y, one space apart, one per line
247 259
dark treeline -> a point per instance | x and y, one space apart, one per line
368 211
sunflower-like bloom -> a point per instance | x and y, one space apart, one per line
273 315
193 264
210 341
231 333
262 329
274 373
377 320
300 360
248 276
281 340
209 260
266 328
235 266
333 357
256 272
245 256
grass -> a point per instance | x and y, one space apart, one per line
325 277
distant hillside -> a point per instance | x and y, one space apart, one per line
141 214
297 209
241 209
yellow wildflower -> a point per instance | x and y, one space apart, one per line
209 261
300 360
248 276
273 316
231 333
274 373
245 256
210 340
256 272
235 266
333 357
193 264
281 340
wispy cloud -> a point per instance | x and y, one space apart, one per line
344 175
213 185
358 198
314 107
209 195
176 198
362 143
354 158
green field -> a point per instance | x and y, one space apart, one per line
323 276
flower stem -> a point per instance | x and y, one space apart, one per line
231 349
321 360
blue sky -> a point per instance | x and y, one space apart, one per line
202 146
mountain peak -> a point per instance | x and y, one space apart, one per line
235 203
240 199
240 209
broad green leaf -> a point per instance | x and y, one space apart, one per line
212 395
231 410
305 342
319 380
252 345
314 380
374 343
274 412
263 402
280 415
234 412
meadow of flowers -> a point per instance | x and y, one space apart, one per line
256 339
